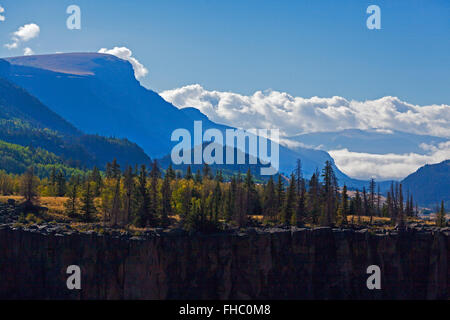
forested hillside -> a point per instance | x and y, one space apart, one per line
430 184
25 121
17 159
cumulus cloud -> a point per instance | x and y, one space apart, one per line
2 10
28 51
126 54
295 115
388 166
23 34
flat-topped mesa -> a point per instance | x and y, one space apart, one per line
273 263
103 66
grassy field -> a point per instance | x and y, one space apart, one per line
55 207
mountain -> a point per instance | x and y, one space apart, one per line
98 93
368 141
430 184
16 159
16 103
25 121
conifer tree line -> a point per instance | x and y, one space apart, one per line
148 197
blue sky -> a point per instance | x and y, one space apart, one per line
306 48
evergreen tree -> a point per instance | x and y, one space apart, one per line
198 177
116 204
144 215
300 215
170 172
166 207
216 202
343 207
289 205
88 208
129 185
279 193
189 175
206 171
60 184
97 179
330 195
440 216
72 204
270 201
372 187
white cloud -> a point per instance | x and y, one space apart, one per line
28 51
23 34
126 54
388 166
2 10
294 115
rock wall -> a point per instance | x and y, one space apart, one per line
321 263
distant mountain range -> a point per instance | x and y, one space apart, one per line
98 93
430 184
368 141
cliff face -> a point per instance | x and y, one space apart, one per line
321 263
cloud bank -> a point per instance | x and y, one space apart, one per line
126 54
295 115
387 166
23 34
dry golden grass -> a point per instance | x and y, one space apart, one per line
365 219
54 204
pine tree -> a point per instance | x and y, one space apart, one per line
170 172
166 207
300 215
115 169
371 199
60 184
116 204
216 201
144 216
198 177
358 206
206 171
270 209
314 198
330 195
129 185
400 215
72 204
153 200
343 207
189 175
288 207
96 178
299 177
440 216
88 208
279 191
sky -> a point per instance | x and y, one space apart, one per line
300 66
305 48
